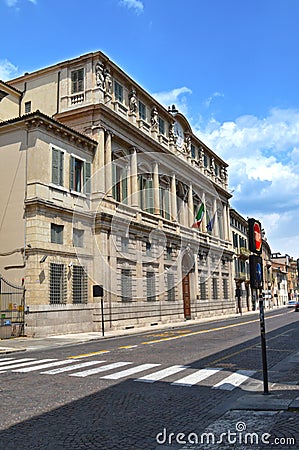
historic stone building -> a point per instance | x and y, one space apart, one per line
101 185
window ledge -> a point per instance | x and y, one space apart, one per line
78 194
58 187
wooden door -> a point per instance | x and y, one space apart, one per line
186 296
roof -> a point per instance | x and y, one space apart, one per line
7 86
39 115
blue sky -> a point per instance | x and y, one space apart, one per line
230 66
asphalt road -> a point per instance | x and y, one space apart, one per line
122 393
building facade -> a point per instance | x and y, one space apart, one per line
104 186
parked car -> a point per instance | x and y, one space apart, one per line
291 303
297 306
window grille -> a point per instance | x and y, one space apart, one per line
150 286
126 285
203 289
170 287
215 288
57 283
225 288
80 285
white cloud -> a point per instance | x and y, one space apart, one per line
137 5
14 3
263 158
168 98
7 70
209 100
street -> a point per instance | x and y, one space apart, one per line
132 392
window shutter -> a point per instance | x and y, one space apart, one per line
149 196
72 173
61 167
87 180
55 166
124 183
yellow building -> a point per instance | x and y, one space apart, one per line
101 185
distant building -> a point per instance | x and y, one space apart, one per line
101 185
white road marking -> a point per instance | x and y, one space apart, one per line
234 380
156 376
127 372
195 377
69 368
45 366
86 373
13 361
24 364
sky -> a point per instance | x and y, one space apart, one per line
231 67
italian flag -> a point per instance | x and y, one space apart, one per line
199 216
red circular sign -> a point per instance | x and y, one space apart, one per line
257 236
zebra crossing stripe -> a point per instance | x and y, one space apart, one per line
68 368
196 377
111 366
45 366
156 376
5 359
127 372
24 364
234 380
13 361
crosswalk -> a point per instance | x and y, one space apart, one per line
175 375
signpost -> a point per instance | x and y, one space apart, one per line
256 282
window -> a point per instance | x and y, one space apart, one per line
203 289
80 285
27 107
192 151
161 126
77 77
170 287
168 253
150 286
57 166
119 183
206 160
225 288
126 285
146 193
118 92
124 244
235 240
56 234
142 110
57 283
148 249
164 202
80 173
215 288
78 238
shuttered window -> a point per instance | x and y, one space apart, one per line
56 234
77 77
170 287
57 166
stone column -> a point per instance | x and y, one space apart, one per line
108 164
99 161
156 188
134 179
190 206
174 209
